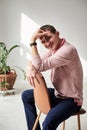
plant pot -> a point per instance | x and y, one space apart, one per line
7 81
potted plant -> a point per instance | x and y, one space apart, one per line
7 73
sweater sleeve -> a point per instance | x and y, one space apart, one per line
60 58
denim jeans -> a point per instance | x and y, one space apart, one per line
61 110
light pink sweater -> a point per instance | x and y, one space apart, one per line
66 70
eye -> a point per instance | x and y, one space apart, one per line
48 38
41 38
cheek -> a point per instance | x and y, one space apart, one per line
55 41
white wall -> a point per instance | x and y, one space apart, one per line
68 16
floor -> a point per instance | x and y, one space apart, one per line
12 115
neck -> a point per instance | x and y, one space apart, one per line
59 43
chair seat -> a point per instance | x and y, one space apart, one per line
81 111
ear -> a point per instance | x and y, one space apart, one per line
57 33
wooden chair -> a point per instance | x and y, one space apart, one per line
43 102
41 97
80 112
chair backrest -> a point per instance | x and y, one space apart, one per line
41 94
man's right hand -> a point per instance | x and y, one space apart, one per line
37 35
31 73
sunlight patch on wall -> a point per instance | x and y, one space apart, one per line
28 27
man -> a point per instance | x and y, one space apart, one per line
66 76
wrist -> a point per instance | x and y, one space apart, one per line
33 44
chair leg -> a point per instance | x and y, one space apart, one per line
36 122
78 119
63 125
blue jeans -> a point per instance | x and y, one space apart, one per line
61 110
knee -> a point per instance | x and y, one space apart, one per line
27 95
23 95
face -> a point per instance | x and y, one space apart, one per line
50 40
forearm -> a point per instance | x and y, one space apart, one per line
34 51
36 59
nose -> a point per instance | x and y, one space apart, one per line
46 44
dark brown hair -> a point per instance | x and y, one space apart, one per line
48 28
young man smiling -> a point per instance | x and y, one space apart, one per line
66 76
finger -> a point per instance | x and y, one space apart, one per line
40 31
32 81
29 80
37 79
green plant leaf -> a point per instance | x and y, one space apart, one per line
13 48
